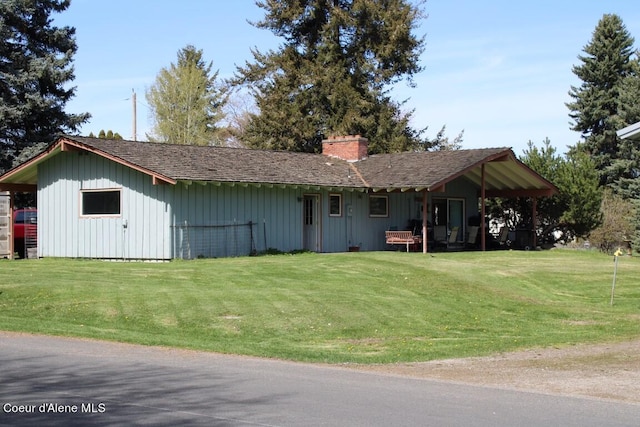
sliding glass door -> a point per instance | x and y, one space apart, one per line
450 213
456 214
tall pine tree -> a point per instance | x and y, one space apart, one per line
35 71
332 74
627 165
606 100
187 102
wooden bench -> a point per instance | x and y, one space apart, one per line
403 237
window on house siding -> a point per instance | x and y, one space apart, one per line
335 204
100 202
378 206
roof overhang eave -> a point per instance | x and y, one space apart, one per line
25 175
282 185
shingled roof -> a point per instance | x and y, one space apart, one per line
423 169
225 164
167 163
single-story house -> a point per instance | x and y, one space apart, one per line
116 199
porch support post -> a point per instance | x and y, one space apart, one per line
425 205
483 208
534 219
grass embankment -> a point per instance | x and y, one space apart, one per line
359 307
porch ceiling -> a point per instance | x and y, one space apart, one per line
508 178
25 177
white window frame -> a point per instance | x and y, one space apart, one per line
100 190
339 196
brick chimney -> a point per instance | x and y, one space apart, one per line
350 148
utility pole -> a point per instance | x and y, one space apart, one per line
133 98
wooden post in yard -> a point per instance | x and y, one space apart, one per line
616 255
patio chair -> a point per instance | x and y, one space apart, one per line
452 241
503 237
472 237
440 236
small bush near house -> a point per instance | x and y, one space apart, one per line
617 229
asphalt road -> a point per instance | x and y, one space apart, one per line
71 382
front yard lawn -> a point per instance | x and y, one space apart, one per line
367 307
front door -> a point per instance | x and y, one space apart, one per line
311 224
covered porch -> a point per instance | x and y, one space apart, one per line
455 203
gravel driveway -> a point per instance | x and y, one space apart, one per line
605 371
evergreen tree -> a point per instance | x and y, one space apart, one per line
106 135
35 71
580 193
627 165
332 74
549 164
628 185
187 102
601 104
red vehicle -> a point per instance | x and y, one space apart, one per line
25 230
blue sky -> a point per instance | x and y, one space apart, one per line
499 70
